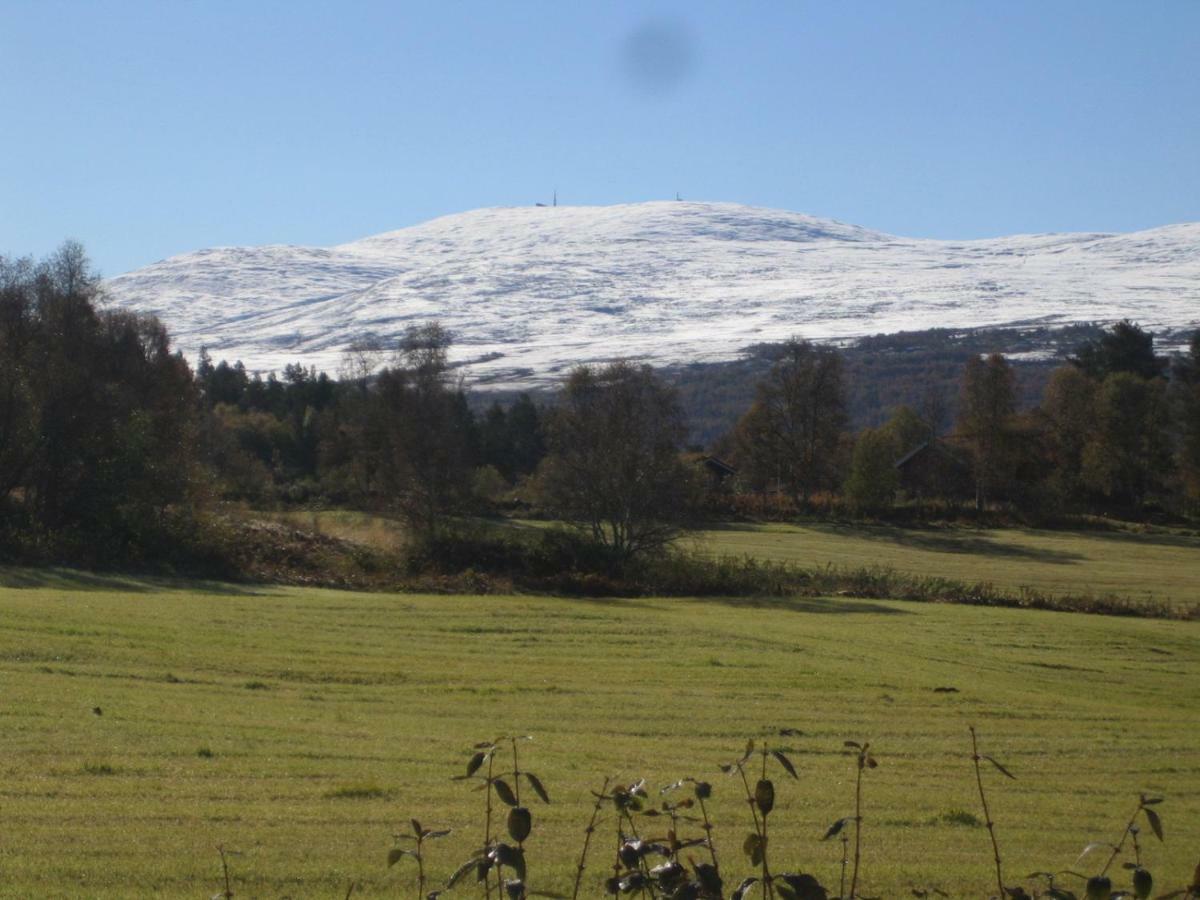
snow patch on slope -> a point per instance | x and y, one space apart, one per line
531 291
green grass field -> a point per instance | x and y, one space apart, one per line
303 727
1163 566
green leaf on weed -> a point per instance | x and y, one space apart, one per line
461 871
785 762
835 829
504 792
538 788
752 846
520 823
764 796
1000 767
1155 822
475 762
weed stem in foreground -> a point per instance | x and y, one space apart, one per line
865 761
857 829
587 837
987 816
759 825
228 892
702 791
845 863
487 822
1121 843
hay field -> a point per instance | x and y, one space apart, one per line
302 727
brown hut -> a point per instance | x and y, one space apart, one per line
935 469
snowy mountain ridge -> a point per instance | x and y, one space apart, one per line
530 291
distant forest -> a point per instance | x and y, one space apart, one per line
919 369
113 448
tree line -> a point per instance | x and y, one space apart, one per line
111 446
97 417
1116 432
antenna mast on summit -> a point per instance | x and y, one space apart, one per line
556 196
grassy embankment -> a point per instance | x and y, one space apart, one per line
1158 566
1162 566
301 727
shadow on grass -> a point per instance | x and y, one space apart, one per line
1188 542
976 545
760 527
830 605
57 578
962 539
797 604
954 540
949 540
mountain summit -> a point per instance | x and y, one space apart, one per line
530 291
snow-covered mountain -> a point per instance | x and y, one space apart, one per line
531 291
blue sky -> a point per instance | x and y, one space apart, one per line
146 129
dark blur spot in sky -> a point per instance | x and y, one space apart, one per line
658 56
